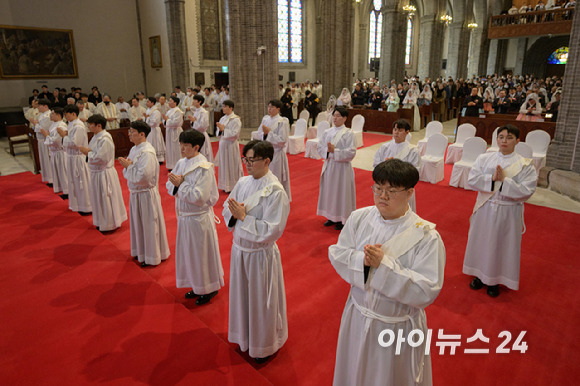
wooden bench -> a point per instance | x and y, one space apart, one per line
17 134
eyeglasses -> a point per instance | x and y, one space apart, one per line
250 161
388 193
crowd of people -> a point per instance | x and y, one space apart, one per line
393 259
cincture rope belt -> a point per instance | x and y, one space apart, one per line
512 203
416 367
273 268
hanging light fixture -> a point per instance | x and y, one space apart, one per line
446 19
472 25
410 9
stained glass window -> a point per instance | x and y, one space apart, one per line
560 56
409 41
375 30
289 31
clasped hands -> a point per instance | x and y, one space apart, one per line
373 255
175 179
498 174
266 129
330 147
237 209
125 162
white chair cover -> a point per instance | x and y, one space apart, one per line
304 114
539 141
432 168
433 127
454 151
472 148
409 137
524 150
493 146
296 141
358 122
312 144
313 130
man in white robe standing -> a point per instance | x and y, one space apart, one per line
337 196
173 127
275 129
53 142
149 243
78 176
210 106
109 111
186 103
228 156
155 137
504 180
257 211
200 122
394 262
399 148
197 255
136 112
84 113
43 122
123 110
105 189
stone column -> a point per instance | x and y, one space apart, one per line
492 57
564 152
497 55
177 36
458 50
522 48
476 44
253 78
430 47
392 64
334 54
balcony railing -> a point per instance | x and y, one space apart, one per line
554 22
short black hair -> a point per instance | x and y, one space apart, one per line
44 102
261 149
152 100
98 119
192 137
402 124
58 111
229 103
83 95
175 99
35 90
511 129
397 173
71 109
199 98
341 110
276 103
141 127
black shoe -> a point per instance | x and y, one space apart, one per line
191 295
161 163
262 360
476 284
203 299
493 291
338 226
64 196
49 185
135 257
329 223
84 213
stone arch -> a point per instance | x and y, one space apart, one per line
536 57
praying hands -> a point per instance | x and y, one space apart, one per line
498 174
373 255
238 210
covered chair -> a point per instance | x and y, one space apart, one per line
524 150
296 141
409 137
304 114
433 127
472 148
358 122
312 144
454 151
539 141
432 168
313 130
493 146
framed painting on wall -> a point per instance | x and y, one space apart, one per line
155 51
27 52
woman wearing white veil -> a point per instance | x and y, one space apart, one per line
330 109
488 98
426 95
344 98
392 100
409 102
531 109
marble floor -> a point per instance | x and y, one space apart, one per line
22 162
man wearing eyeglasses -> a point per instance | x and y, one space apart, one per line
257 211
394 262
399 148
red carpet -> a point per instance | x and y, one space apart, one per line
77 310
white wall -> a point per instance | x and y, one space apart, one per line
106 43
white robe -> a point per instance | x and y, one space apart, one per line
148 235
109 111
125 106
137 113
257 310
394 296
337 196
57 158
105 190
186 106
201 124
197 255
278 137
77 168
495 234
173 127
228 157
155 137
85 114
403 151
44 122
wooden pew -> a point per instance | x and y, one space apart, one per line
485 126
375 120
17 134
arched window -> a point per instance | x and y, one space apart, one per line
375 30
560 56
289 31
409 41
